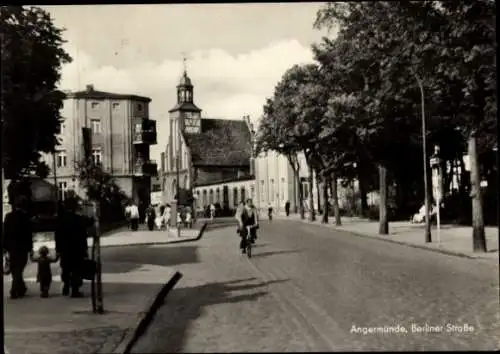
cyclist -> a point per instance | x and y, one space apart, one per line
247 216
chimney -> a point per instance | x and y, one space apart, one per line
90 88
162 163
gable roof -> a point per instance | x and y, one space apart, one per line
221 142
185 106
96 95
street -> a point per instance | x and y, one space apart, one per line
312 289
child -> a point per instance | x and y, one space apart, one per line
44 273
6 265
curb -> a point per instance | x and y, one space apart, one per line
145 319
381 238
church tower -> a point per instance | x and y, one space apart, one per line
185 116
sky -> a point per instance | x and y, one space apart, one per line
236 53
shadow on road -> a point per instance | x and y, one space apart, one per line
271 253
139 255
169 330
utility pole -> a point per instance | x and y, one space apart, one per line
428 237
178 166
96 290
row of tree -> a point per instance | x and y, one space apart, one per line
356 112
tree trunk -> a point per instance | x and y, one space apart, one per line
335 196
301 197
383 220
325 201
295 191
312 214
478 234
318 193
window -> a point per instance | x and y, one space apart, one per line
217 196
61 159
97 156
283 189
211 196
271 193
95 105
205 198
243 196
62 190
116 105
139 107
138 127
63 127
96 126
235 197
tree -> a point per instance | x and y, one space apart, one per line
101 187
470 32
32 57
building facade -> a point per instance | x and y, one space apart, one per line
121 137
204 155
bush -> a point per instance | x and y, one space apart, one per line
373 213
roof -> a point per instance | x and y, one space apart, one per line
221 143
185 106
90 93
185 80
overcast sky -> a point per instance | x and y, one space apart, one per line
237 52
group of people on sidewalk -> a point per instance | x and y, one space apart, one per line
158 216
71 248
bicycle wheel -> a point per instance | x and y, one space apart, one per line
249 249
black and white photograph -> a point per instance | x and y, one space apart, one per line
250 177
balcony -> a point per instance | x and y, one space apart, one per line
146 168
144 132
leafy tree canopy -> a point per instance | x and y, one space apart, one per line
32 57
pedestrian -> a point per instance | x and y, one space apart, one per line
44 272
270 211
127 213
287 208
188 217
212 211
150 217
167 214
18 243
134 217
71 244
159 217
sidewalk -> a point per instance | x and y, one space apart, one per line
139 237
65 325
455 240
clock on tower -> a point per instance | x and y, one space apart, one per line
192 122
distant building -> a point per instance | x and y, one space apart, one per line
121 137
212 156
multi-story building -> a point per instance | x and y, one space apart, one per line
121 137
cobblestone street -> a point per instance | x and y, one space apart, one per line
312 289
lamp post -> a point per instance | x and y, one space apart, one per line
437 187
428 237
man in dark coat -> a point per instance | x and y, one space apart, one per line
71 245
18 243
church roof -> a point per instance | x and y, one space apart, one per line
90 93
185 80
185 106
221 142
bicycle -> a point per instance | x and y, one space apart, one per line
249 242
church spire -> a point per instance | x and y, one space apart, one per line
185 87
